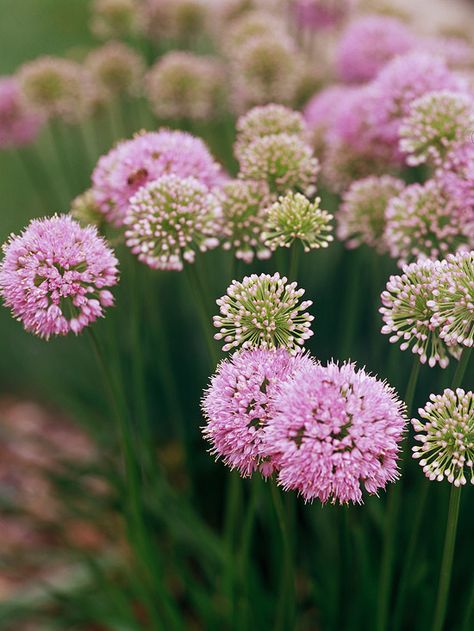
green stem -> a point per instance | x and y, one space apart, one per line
199 298
461 368
351 308
234 492
57 140
447 561
294 262
37 179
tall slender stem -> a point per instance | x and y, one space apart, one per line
286 600
294 261
200 301
461 368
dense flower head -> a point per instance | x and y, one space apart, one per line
263 312
238 405
407 312
117 68
56 276
146 157
266 69
438 123
456 176
251 24
170 218
85 209
368 44
446 433
454 302
18 125
184 85
320 14
423 222
283 161
53 87
455 50
295 218
361 215
335 431
114 18
320 111
174 19
243 204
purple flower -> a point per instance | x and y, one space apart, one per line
18 125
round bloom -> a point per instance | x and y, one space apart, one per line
368 44
446 434
283 161
168 218
361 215
422 221
116 68
407 312
175 19
454 301
238 405
457 179
267 120
53 87
55 276
243 204
320 112
114 18
263 312
320 14
85 210
437 124
18 126
146 157
335 429
184 85
294 217
249 25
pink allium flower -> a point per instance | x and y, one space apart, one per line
56 276
175 19
456 176
117 68
146 157
321 14
238 406
18 126
251 24
321 110
335 430
368 44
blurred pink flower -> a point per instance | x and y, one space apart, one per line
18 125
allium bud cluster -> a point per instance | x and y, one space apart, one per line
116 68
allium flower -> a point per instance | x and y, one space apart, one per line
184 85
55 276
267 120
146 157
407 312
454 301
294 217
243 204
168 219
249 25
438 123
446 434
114 18
52 86
457 179
335 430
180 20
283 161
320 14
85 209
361 215
116 68
238 405
368 44
263 312
266 69
320 112
422 221
18 126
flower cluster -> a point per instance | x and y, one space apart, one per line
18 125
56 276
263 312
446 433
180 20
116 68
114 18
295 218
252 24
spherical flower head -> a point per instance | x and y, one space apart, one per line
133 163
263 312
267 120
335 431
243 204
283 161
321 14
117 68
368 44
250 25
183 85
437 124
175 19
320 112
422 222
170 218
238 406
295 218
55 276
453 304
85 210
407 312
55 87
18 125
456 176
114 18
361 215
446 433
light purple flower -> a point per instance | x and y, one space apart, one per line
18 125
